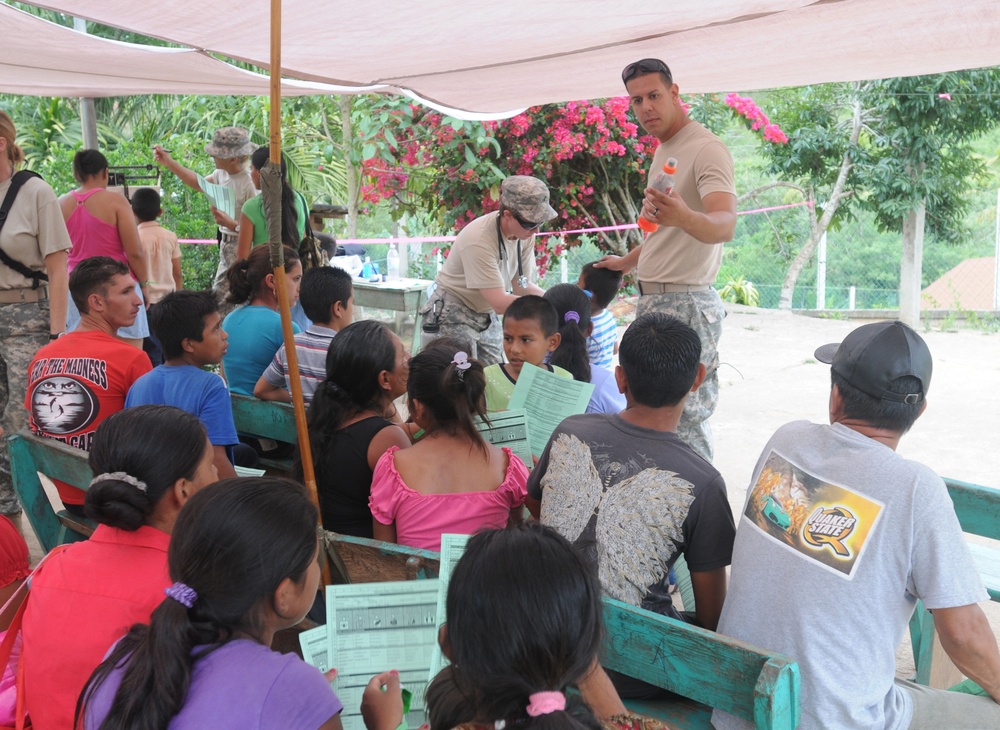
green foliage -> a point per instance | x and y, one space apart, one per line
740 291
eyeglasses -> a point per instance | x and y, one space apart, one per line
526 225
646 66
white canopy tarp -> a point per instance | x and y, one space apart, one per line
492 57
40 58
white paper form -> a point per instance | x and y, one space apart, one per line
452 549
508 429
547 399
374 627
220 196
315 645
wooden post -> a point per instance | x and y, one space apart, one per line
280 285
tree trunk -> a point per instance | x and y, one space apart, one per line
347 131
910 270
818 227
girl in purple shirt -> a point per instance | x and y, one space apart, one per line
203 661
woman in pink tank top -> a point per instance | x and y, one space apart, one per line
101 223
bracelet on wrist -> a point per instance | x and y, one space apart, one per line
55 335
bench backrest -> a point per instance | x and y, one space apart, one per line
977 507
30 455
721 672
265 419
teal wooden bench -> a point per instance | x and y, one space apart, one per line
30 455
978 511
702 668
266 419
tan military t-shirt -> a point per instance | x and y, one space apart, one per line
34 229
704 166
474 263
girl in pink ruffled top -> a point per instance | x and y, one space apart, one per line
451 480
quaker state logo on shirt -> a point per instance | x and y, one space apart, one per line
824 523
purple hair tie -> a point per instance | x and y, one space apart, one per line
182 593
571 316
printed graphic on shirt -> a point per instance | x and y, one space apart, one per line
63 399
826 523
629 513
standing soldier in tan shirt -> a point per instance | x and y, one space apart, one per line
491 264
33 290
678 262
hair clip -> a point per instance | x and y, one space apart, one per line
182 593
461 360
571 316
120 476
588 293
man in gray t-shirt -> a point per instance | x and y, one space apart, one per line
839 538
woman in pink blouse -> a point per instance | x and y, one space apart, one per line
451 480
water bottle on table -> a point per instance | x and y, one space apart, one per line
392 263
664 182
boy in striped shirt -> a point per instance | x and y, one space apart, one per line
327 298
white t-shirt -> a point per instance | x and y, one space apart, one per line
838 539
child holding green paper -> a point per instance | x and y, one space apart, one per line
530 334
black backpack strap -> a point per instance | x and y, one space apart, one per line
18 179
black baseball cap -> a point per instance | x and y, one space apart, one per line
874 355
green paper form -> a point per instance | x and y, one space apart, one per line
220 196
547 399
452 549
508 429
374 627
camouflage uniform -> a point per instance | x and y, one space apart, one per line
24 328
703 311
454 319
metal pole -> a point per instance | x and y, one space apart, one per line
996 261
88 115
821 273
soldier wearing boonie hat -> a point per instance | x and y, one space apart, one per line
230 148
491 263
858 535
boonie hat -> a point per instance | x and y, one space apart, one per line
230 142
528 197
874 355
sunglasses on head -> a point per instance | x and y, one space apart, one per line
526 225
646 66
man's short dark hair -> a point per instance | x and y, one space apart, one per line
146 204
881 413
646 66
322 287
602 283
93 275
537 308
660 356
180 316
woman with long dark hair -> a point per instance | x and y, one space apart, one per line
204 659
147 462
253 222
351 421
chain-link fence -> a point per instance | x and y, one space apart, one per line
861 266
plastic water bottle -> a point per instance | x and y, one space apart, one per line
366 270
664 182
392 263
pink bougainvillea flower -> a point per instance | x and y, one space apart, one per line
946 97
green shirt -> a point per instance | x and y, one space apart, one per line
499 386
254 210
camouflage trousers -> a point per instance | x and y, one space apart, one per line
227 257
483 332
703 311
24 328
